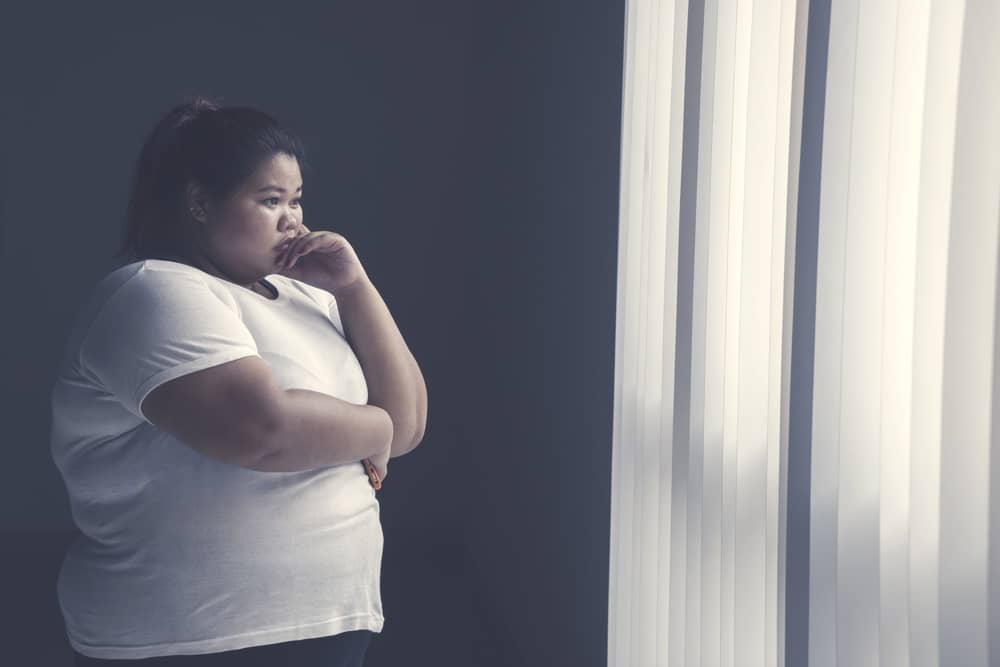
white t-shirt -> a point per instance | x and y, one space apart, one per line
182 553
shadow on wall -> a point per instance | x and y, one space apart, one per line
35 634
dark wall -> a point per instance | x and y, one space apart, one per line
469 152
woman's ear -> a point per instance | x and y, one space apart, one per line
197 202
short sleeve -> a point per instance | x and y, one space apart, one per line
160 325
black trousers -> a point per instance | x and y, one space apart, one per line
342 650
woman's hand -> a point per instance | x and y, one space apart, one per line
381 465
322 259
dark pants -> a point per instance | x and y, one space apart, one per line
342 650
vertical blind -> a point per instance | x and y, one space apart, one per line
806 468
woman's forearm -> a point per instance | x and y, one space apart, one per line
316 430
391 373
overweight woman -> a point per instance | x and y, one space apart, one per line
224 414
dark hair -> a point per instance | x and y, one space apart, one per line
216 147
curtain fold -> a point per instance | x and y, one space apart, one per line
810 202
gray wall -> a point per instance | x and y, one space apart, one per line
469 151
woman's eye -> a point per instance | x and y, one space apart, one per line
273 201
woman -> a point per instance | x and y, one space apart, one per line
226 409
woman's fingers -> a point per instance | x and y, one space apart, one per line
300 245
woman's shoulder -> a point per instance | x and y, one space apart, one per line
136 277
150 283
147 267
158 267
124 290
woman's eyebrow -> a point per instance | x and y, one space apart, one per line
275 187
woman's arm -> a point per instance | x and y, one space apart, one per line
237 413
394 380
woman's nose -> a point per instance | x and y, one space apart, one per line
289 224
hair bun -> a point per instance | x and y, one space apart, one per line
197 106
203 104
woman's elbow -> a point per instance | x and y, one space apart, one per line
410 443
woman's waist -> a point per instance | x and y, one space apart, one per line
191 589
276 547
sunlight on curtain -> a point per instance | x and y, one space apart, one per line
898 244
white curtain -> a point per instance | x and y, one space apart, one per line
806 468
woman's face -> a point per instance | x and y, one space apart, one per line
250 224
